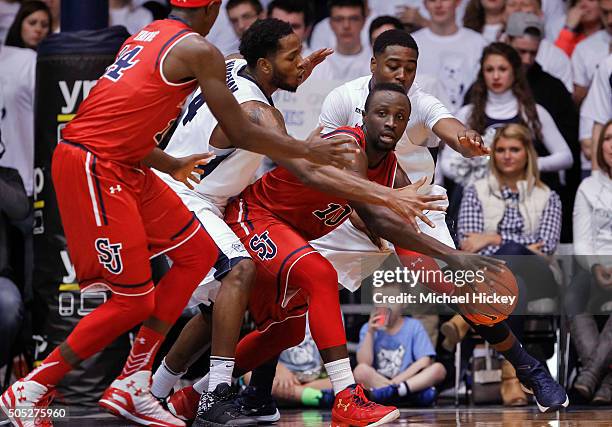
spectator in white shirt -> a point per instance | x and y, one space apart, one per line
243 13
597 106
298 13
32 24
448 52
123 12
382 24
323 35
590 291
485 17
551 58
552 13
8 11
351 58
590 51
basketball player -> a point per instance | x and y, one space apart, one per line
395 61
117 214
273 61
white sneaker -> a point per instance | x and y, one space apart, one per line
21 400
131 398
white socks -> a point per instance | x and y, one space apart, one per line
402 389
221 369
340 374
202 384
163 380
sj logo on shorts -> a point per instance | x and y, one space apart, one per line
263 246
109 256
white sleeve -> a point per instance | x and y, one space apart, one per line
560 157
579 69
583 235
598 102
563 69
427 109
450 160
336 110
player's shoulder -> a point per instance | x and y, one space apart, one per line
355 132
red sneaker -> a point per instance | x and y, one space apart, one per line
352 408
184 403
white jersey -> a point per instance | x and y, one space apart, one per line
344 106
233 169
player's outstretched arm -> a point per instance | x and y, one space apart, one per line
388 225
468 143
194 56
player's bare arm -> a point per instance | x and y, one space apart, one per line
194 56
183 169
388 225
466 142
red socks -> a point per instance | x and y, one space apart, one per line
145 347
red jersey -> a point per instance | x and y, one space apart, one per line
310 212
132 104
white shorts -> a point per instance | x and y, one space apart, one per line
355 257
231 250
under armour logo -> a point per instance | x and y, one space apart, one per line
21 397
141 340
115 189
341 405
415 262
138 391
130 384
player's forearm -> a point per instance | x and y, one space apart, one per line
447 130
161 161
389 226
340 183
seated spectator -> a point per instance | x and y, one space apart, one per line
589 53
396 354
501 96
32 24
552 58
8 11
242 14
597 106
485 17
123 12
351 58
583 19
382 24
298 13
524 31
443 52
591 288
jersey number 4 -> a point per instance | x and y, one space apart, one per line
334 214
125 60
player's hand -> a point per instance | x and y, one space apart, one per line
410 205
361 226
459 260
603 276
187 169
471 144
311 61
338 151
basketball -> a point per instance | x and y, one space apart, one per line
491 300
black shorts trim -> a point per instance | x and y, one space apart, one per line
224 265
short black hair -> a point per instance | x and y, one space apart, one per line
261 39
255 3
394 38
347 3
385 20
384 87
294 6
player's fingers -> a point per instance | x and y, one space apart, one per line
343 145
187 183
202 156
426 220
315 133
195 178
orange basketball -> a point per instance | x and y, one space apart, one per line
491 300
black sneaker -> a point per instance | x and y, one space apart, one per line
220 408
262 408
549 394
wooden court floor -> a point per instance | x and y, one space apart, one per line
489 416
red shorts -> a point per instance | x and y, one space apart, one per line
275 247
116 218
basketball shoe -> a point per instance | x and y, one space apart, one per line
549 394
184 403
254 404
353 408
21 399
220 408
130 398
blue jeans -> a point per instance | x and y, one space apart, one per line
11 316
